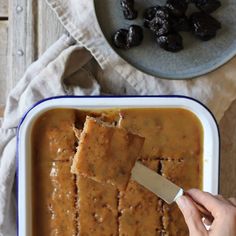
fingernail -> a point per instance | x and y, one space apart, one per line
181 201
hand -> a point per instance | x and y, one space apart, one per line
223 211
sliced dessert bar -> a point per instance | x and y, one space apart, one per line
106 153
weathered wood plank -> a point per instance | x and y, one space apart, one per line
33 28
4 8
50 32
1 111
228 153
22 38
3 60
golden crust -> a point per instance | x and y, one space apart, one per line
97 206
141 210
167 132
106 154
62 203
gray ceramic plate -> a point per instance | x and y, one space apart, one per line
196 59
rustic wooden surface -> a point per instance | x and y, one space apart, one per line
228 152
3 60
33 27
1 111
3 8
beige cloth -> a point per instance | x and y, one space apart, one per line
50 76
216 90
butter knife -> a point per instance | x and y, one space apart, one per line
162 187
156 183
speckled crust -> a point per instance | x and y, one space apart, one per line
173 221
185 173
140 209
173 133
62 201
97 208
56 136
106 154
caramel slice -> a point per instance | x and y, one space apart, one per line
62 201
141 210
106 154
173 220
97 206
55 136
174 133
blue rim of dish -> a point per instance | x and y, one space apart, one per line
195 75
128 96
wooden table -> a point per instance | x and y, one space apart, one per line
33 27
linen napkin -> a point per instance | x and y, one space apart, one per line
217 90
49 76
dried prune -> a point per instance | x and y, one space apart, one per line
180 24
172 42
163 13
120 39
177 7
125 39
204 26
135 36
208 6
149 14
128 9
160 26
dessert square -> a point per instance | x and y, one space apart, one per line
173 220
55 136
97 208
141 210
174 133
106 154
63 198
175 172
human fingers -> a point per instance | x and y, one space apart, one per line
232 201
210 202
192 216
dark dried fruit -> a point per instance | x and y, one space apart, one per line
163 13
172 42
177 7
180 24
128 9
135 36
208 6
125 39
161 24
120 39
204 26
149 14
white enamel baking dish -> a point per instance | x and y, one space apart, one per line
210 130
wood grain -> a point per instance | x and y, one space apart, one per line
1 111
4 8
32 30
50 32
228 153
3 60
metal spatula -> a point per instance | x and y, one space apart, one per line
162 187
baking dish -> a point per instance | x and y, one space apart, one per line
210 145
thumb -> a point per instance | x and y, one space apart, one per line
192 216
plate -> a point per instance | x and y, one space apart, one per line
196 59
